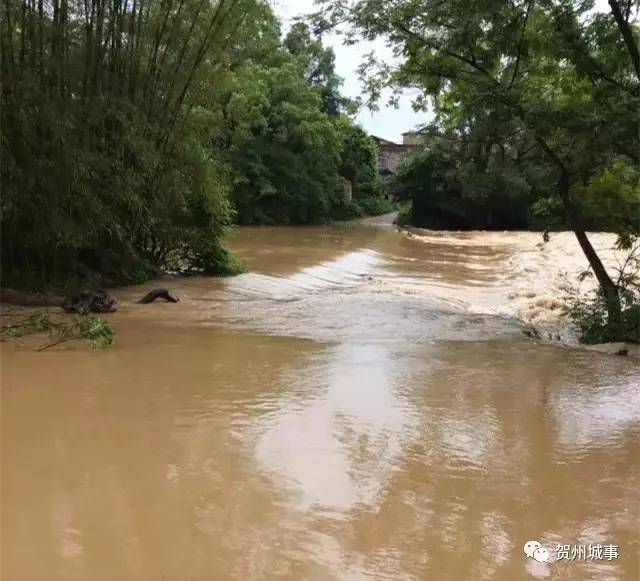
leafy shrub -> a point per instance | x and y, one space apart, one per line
589 313
344 211
107 172
376 205
96 330
404 215
589 316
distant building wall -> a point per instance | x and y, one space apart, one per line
410 138
413 137
347 191
391 155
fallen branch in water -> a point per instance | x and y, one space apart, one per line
93 329
52 344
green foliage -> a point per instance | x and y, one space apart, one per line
93 329
589 311
351 210
286 142
107 173
454 183
358 159
609 202
590 318
374 206
134 135
282 148
553 85
345 211
318 66
522 91
452 189
405 217
611 199
548 212
215 259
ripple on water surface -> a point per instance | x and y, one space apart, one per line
361 405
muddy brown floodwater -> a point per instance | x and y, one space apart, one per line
361 405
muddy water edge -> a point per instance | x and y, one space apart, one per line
361 405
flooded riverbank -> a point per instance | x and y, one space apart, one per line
361 405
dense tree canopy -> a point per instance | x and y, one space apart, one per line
105 167
469 179
287 137
134 132
318 64
553 74
282 147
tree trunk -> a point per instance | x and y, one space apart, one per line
608 287
627 35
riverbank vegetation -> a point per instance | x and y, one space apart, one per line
135 133
536 115
588 310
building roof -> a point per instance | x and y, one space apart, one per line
391 144
385 141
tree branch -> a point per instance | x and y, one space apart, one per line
520 43
627 35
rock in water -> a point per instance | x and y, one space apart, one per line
90 302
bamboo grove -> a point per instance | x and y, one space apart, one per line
135 131
104 161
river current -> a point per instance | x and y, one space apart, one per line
362 404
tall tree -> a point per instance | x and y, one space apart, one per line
104 165
318 62
622 12
282 147
553 68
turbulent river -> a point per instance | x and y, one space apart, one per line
361 405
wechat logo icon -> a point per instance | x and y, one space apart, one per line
534 550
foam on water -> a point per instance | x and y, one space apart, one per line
371 283
525 277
